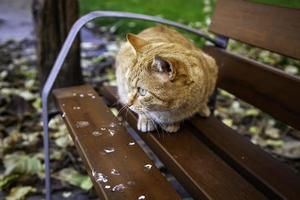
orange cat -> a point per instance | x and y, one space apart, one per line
164 78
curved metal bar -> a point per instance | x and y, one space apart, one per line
63 53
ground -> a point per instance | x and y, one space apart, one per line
21 165
15 20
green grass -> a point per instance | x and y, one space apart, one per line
181 10
195 13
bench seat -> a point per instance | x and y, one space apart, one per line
209 159
104 145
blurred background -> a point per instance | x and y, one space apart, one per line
31 34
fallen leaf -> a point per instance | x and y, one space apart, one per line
291 70
114 111
19 162
11 140
274 143
273 133
289 150
253 130
5 180
73 177
27 95
228 122
236 107
64 141
251 112
19 192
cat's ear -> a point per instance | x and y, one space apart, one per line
164 68
136 42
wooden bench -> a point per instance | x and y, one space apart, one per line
209 159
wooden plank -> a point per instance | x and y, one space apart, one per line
258 166
201 172
266 26
109 149
265 87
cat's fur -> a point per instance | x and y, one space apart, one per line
164 78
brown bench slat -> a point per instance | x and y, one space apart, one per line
128 160
271 27
257 165
201 171
267 88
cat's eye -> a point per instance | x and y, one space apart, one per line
142 91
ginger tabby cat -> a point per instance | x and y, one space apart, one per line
164 78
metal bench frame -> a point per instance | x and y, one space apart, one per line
219 41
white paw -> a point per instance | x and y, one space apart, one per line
145 125
171 128
204 112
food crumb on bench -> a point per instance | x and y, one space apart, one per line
118 188
99 177
130 183
82 124
109 150
115 172
113 125
96 133
142 197
111 132
147 167
131 143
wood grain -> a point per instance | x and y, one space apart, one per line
266 26
203 173
128 160
265 87
274 178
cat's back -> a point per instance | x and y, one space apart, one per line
164 34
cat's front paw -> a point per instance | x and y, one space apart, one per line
145 125
205 112
171 128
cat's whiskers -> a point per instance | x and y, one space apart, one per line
122 109
157 130
125 107
126 113
149 117
163 130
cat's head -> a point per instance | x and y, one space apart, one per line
159 78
